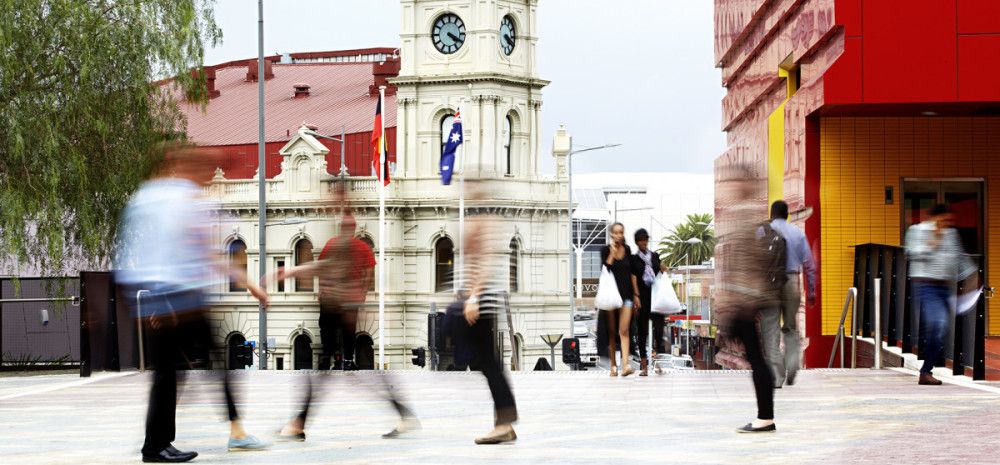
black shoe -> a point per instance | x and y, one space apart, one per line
791 377
169 455
498 439
300 437
748 428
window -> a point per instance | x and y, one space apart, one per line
371 271
514 256
237 259
508 124
446 123
303 255
281 283
444 260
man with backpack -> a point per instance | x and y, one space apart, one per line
790 256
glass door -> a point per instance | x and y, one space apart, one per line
965 199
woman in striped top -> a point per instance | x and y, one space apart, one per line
485 262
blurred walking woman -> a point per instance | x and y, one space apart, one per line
617 258
485 263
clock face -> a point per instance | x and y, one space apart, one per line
448 33
508 35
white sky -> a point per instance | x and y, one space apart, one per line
636 72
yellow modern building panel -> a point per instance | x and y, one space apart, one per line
861 156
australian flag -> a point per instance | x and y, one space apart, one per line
448 154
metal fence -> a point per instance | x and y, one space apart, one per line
900 311
42 327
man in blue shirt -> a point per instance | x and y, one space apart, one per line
164 251
782 320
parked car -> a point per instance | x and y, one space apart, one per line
665 362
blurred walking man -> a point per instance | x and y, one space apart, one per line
165 251
937 262
782 319
343 268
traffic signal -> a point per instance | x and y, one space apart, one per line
419 356
571 351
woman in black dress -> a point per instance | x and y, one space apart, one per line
617 257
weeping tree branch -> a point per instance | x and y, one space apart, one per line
80 118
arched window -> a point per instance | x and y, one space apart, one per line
515 252
446 123
508 124
237 259
371 271
444 260
303 255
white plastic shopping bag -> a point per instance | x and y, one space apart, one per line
608 297
664 299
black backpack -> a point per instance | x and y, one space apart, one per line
776 258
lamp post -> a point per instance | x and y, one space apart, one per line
261 184
552 340
569 217
342 139
687 296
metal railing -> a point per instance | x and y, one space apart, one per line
850 302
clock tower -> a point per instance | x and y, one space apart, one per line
478 55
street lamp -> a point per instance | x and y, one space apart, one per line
552 340
687 294
343 167
569 214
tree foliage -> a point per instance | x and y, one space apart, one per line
675 251
81 115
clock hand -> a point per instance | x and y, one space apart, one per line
453 37
509 40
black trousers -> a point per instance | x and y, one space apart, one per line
745 329
481 338
170 347
338 324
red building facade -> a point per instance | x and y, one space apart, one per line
863 112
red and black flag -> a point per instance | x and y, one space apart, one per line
380 157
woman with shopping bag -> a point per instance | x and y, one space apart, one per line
616 295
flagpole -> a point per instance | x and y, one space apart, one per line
382 333
461 209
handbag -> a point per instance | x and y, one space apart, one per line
607 297
664 299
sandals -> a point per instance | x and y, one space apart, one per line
627 371
614 371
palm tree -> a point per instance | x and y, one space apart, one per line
690 242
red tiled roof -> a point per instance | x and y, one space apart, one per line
338 95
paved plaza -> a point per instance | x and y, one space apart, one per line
830 416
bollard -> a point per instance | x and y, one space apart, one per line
877 362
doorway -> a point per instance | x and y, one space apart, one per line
963 196
303 352
365 352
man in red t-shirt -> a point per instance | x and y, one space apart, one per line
344 268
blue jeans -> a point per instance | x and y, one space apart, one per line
934 312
